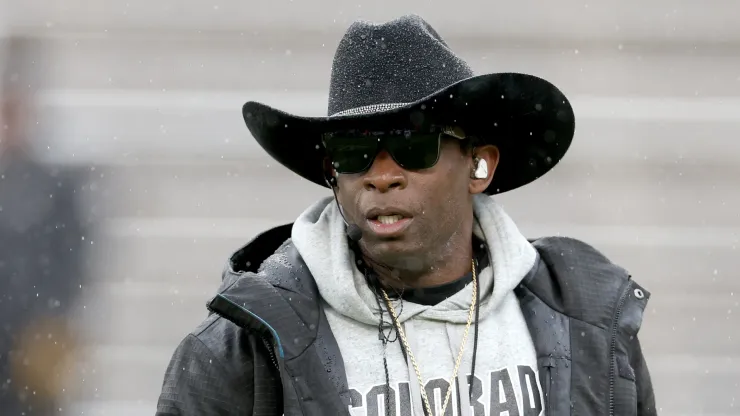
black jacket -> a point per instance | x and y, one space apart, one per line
266 348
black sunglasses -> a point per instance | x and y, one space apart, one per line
354 151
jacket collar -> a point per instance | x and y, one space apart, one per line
268 290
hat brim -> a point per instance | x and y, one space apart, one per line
527 117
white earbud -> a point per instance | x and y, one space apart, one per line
481 169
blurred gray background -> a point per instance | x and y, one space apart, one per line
147 96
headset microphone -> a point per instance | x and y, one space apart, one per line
354 232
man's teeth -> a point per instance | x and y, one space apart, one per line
389 219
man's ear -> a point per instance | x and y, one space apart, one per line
484 162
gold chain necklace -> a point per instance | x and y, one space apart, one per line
401 332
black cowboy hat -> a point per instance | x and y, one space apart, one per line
402 74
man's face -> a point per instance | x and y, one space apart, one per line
408 217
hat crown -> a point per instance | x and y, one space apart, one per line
400 61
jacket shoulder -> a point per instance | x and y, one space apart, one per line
208 373
573 261
584 259
228 343
577 279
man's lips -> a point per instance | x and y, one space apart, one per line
389 225
388 221
376 212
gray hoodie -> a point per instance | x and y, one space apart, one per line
506 365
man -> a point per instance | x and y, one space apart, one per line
415 293
41 246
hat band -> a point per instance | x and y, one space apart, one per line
369 109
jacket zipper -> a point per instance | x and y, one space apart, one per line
270 351
613 349
266 339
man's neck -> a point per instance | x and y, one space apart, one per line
447 266
446 271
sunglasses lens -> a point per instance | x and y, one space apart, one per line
351 154
415 152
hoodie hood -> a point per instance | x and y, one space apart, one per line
319 235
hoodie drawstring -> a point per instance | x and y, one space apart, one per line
463 382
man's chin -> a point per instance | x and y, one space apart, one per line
395 254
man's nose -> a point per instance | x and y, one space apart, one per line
384 174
